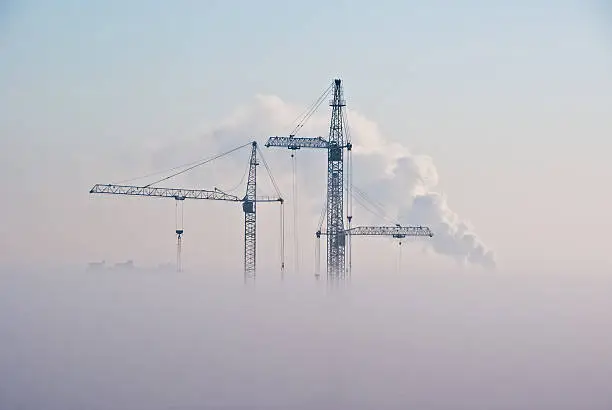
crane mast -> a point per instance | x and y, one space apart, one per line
335 146
250 216
336 239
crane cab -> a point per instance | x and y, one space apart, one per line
248 207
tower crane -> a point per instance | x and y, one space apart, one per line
339 238
335 146
249 201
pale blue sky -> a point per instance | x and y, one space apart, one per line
513 100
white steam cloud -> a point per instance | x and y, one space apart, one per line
386 170
408 184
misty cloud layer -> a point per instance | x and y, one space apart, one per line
404 183
147 340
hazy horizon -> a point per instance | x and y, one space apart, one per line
147 340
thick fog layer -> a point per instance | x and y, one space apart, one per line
130 340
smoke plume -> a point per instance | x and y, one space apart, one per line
407 184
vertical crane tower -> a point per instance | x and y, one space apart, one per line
250 216
339 238
335 145
336 239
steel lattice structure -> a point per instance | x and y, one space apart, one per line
335 145
250 222
162 192
336 243
248 203
394 231
294 143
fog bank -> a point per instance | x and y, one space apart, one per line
205 340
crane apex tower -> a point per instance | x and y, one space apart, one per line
336 237
335 145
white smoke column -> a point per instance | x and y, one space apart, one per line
453 236
406 183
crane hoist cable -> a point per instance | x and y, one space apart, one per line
282 237
318 238
296 243
399 261
317 255
349 176
179 219
301 121
282 210
349 189
323 213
